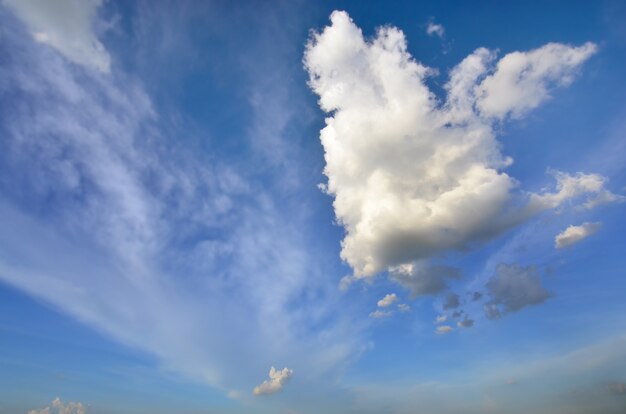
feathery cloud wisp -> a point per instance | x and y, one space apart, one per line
67 26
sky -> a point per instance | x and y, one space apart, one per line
303 207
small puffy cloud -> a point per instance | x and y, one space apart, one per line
434 29
452 301
57 407
441 319
403 307
465 323
412 177
574 234
423 280
512 288
590 187
67 26
476 296
522 80
388 300
444 329
277 381
380 314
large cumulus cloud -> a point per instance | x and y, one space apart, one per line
413 177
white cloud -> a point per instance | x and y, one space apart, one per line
444 329
403 307
379 314
522 80
589 187
514 287
57 407
435 29
412 178
67 26
277 381
388 300
574 234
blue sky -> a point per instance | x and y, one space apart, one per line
295 207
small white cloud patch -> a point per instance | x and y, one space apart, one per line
434 29
444 329
388 300
277 381
403 307
574 234
57 407
379 314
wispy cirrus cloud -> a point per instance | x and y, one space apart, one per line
67 26
169 250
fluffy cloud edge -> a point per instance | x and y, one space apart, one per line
275 383
58 407
574 234
388 300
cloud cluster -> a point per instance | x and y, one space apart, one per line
388 300
67 26
277 381
512 288
412 177
574 234
57 407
